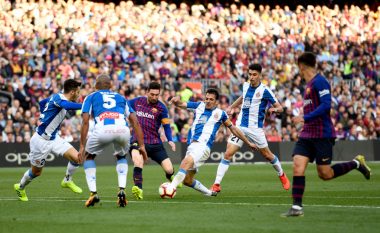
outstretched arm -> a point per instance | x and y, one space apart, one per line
178 103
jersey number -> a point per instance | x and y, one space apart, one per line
109 101
235 139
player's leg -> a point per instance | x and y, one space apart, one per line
324 148
160 156
39 149
72 155
196 184
273 159
233 145
258 136
138 163
121 146
303 154
186 164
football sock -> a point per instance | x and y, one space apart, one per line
178 178
122 171
277 165
343 168
27 178
169 176
137 176
222 169
71 168
200 187
90 171
298 189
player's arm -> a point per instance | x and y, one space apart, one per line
324 107
235 104
139 133
238 133
276 108
68 105
178 103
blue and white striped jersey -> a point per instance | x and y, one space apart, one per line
206 123
255 101
107 107
53 113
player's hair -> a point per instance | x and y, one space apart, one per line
103 82
256 67
154 86
70 85
214 92
308 59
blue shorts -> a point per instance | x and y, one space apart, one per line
156 152
318 149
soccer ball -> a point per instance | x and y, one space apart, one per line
166 191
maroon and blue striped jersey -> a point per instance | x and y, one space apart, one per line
150 117
316 108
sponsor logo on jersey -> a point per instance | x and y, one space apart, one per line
324 92
246 104
145 114
307 102
202 120
109 115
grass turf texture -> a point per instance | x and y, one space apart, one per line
251 200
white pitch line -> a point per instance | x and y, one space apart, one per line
199 203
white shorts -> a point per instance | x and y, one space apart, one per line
200 152
103 135
40 148
256 136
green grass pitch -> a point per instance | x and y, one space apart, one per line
251 200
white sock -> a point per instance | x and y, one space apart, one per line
357 163
222 169
71 168
90 170
122 171
277 166
201 188
178 178
26 179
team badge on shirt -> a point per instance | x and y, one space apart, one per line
154 110
307 91
216 116
258 94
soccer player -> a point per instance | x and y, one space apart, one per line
256 96
110 111
151 114
46 139
317 137
207 121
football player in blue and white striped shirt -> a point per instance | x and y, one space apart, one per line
46 140
254 101
207 120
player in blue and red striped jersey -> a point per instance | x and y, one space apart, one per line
317 137
151 114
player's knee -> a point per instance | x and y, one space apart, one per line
90 156
228 155
325 175
188 181
119 157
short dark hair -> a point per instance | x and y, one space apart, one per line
70 85
214 92
256 67
154 86
308 59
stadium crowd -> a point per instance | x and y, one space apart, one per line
43 43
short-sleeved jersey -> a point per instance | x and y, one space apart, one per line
316 108
206 123
107 108
52 116
255 102
150 117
